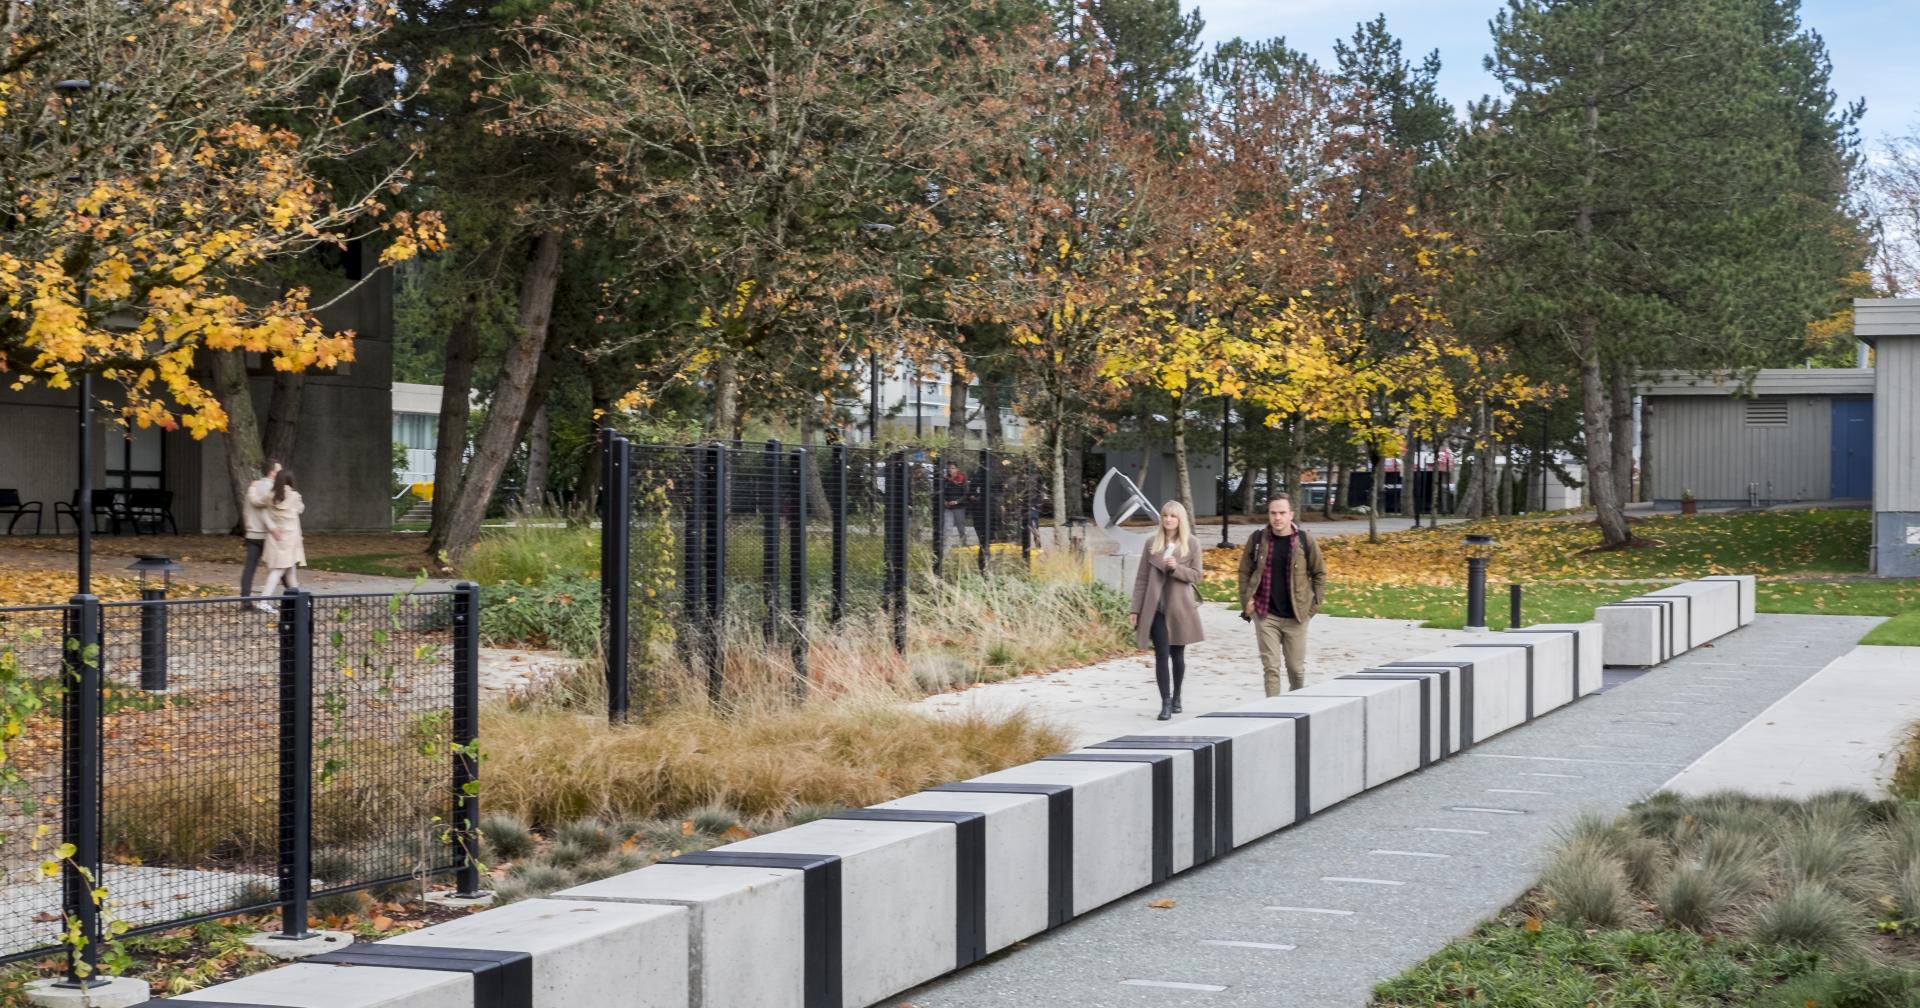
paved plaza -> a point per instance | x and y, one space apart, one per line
1317 914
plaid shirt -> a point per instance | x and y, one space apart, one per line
1262 599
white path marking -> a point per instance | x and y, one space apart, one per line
1574 759
1663 724
1173 985
1444 829
1247 944
1313 910
1408 853
1508 790
1362 881
1563 776
1477 808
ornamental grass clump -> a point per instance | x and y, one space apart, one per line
1586 885
1812 916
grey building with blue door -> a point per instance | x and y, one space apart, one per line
1892 327
1787 435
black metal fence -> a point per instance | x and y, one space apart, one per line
196 758
706 544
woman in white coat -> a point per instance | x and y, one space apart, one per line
284 551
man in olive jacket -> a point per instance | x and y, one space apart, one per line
1280 597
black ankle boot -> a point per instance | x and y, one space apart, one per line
1176 703
1166 710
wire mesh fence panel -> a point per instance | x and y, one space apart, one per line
761 501
32 639
667 562
866 538
382 738
189 792
982 510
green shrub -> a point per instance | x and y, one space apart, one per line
1586 885
568 855
506 836
1811 916
531 881
527 554
1851 987
561 612
589 834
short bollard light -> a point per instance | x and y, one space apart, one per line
1479 550
153 619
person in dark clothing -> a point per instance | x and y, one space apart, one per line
956 495
1282 579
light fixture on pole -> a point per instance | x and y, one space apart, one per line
1479 551
83 498
1226 434
153 619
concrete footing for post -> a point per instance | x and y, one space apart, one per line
455 901
298 948
110 992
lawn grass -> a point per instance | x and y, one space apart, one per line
1901 631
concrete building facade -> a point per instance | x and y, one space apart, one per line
1791 434
1892 327
342 451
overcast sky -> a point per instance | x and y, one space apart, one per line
1874 44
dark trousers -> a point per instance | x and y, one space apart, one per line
1167 658
254 546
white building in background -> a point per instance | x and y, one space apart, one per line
914 403
416 424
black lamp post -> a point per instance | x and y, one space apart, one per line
153 619
1479 549
83 523
1226 434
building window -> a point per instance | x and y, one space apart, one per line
1767 412
415 430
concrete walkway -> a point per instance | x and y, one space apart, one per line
1118 697
1317 914
1840 729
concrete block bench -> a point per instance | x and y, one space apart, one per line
1664 624
533 954
852 909
1327 755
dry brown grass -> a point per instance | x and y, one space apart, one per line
552 766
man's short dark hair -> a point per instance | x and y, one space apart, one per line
268 465
1271 501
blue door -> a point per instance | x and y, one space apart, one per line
1852 448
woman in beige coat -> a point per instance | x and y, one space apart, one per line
284 551
1164 592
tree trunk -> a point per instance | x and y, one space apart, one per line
1620 395
726 399
450 440
283 416
1504 489
1595 414
1330 480
1248 502
1057 445
229 374
1434 484
1407 462
518 373
1180 455
533 496
1484 466
600 400
957 406
990 409
1377 460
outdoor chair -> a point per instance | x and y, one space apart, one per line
108 503
10 504
155 506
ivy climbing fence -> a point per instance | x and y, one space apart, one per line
168 761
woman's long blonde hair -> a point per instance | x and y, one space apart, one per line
1159 541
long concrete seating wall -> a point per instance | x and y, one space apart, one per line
1665 624
850 910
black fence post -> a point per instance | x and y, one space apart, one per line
1027 511
80 815
938 510
986 508
840 505
899 501
718 509
615 577
693 552
466 729
296 762
1513 607
770 543
153 638
797 566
